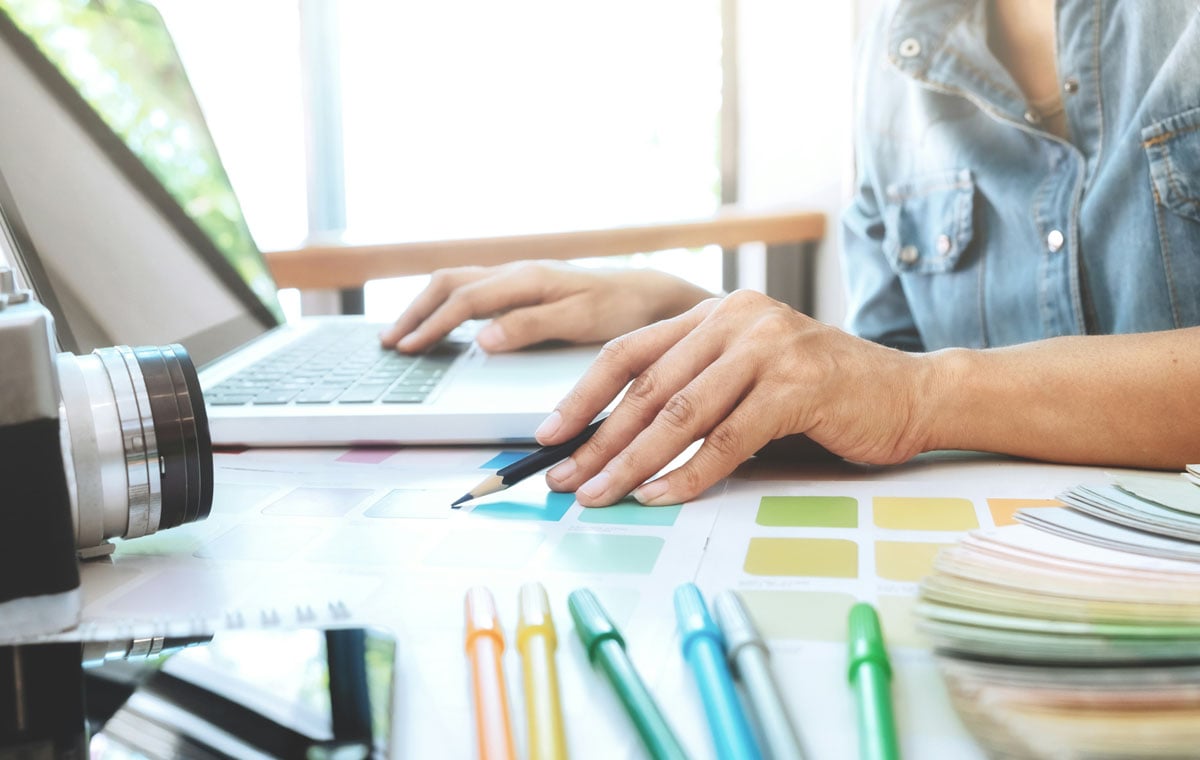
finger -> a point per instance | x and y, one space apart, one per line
620 361
556 320
502 291
657 391
730 443
687 416
441 284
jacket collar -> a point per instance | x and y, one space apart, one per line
943 45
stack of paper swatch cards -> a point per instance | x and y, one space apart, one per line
1076 633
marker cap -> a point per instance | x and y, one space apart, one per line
482 619
591 621
692 617
535 618
866 640
736 625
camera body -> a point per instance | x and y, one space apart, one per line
39 576
109 444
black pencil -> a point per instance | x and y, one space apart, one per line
528 465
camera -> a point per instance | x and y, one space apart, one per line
111 444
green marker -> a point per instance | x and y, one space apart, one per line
605 647
871 677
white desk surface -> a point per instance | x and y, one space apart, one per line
365 536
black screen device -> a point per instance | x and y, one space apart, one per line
303 693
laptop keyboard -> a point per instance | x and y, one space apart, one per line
337 364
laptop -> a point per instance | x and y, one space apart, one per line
140 240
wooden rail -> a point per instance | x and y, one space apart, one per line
349 266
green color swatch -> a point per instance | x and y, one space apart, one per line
808 512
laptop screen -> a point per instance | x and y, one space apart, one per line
110 164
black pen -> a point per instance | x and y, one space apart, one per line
529 465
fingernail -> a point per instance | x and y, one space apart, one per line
405 343
562 471
651 491
490 337
595 487
549 426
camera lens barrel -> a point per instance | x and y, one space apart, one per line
181 432
137 440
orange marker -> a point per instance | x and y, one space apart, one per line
485 650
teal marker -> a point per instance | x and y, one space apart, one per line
704 650
606 648
871 677
749 659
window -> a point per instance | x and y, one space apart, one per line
470 118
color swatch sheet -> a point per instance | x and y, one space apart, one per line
311 537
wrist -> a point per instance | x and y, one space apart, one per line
667 295
947 387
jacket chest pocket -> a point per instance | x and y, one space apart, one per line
929 222
929 225
1173 152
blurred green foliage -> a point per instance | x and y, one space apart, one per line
120 58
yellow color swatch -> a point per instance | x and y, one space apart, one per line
1003 510
905 560
817 557
924 513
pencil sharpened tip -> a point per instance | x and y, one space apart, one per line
460 501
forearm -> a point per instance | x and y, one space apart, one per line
1130 400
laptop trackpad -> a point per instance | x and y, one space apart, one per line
532 380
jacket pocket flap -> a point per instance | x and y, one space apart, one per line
1173 149
929 221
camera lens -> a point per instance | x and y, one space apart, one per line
136 441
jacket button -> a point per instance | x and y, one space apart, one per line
1054 241
943 245
910 48
909 254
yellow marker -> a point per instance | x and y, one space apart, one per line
536 641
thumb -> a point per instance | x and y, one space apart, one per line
558 320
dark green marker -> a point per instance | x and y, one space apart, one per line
606 648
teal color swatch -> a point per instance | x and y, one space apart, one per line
551 510
606 553
630 512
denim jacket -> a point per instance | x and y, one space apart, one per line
972 226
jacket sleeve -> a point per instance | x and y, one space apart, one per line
877 307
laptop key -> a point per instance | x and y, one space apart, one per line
229 399
318 396
362 394
404 398
275 396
